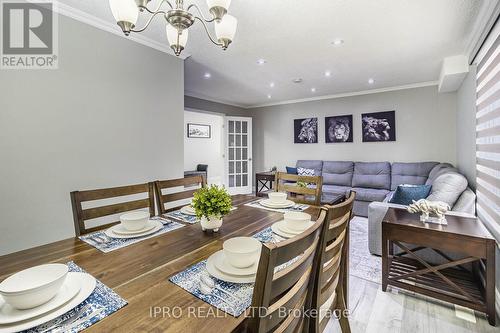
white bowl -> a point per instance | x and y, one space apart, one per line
134 220
297 221
33 286
242 252
277 197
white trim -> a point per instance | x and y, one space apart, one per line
110 26
210 99
497 301
485 19
356 93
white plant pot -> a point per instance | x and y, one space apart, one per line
212 223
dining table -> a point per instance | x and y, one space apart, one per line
140 273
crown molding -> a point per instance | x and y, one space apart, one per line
349 94
485 19
110 26
211 99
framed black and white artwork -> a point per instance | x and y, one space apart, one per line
305 130
198 131
338 129
379 126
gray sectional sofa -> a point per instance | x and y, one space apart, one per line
377 181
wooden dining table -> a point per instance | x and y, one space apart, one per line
140 273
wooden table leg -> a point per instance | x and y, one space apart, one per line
490 283
385 259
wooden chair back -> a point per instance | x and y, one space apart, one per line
311 194
331 279
285 290
81 215
173 198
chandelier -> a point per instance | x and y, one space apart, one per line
178 20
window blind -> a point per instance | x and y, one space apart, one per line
488 132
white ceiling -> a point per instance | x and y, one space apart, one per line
396 42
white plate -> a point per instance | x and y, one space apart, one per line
281 229
216 273
225 267
87 285
188 210
110 232
267 203
69 289
120 229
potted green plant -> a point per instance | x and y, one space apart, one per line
211 204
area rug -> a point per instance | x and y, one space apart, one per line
362 264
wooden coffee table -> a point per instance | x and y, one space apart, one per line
264 182
451 281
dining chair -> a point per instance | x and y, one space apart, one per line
179 189
285 292
308 194
330 285
82 215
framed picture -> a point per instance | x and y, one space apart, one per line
338 129
379 126
305 130
198 131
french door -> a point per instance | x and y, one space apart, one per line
239 154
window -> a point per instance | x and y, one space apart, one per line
488 132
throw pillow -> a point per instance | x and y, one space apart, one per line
447 188
305 172
405 194
291 170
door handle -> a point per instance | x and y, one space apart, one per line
250 159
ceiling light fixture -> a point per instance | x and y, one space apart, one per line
328 73
269 96
313 89
271 84
371 81
261 61
338 42
207 75
178 20
297 80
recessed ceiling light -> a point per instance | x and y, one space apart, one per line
261 61
269 96
297 80
313 89
328 73
271 84
371 81
338 42
207 75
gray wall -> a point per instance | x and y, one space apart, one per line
193 103
466 127
425 129
111 115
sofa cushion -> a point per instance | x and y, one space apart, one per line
291 170
438 170
335 189
410 173
448 187
375 175
370 194
305 172
337 173
311 164
406 194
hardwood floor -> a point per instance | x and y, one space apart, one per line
375 311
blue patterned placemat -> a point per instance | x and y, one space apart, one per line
178 215
102 297
295 208
107 244
189 280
